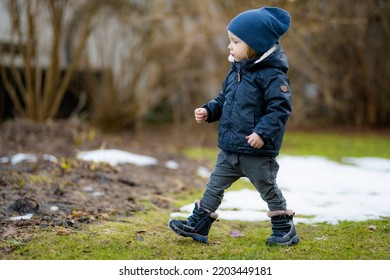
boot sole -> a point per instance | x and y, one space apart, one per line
292 241
195 236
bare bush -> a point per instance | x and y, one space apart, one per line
161 57
33 59
340 60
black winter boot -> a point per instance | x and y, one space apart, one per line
283 230
197 226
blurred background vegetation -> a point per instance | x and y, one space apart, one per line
124 64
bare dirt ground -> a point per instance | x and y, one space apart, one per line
69 192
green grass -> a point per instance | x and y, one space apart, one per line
146 235
336 146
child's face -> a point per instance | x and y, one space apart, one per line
238 49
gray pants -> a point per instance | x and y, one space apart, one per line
260 170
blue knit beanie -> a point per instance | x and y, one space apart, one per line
260 28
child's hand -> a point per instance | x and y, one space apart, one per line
200 115
255 140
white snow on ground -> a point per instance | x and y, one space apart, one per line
318 189
115 157
24 217
21 157
171 164
369 163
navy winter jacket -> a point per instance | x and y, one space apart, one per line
255 97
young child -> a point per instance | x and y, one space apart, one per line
252 108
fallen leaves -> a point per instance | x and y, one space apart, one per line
62 231
236 233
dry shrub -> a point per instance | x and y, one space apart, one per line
162 58
31 62
339 60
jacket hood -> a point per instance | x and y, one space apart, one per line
276 59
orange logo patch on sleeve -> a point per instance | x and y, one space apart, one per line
284 88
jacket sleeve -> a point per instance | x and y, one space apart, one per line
214 107
277 109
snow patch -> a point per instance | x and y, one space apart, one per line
115 157
24 217
318 190
171 164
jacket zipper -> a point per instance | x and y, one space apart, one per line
238 72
